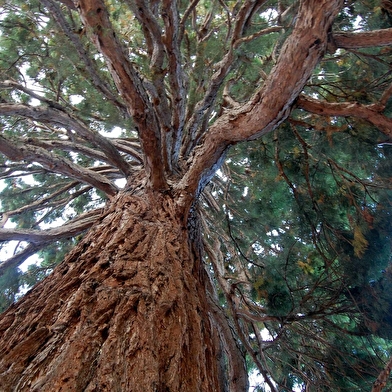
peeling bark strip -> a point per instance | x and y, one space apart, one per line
135 277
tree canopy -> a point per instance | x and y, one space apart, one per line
270 120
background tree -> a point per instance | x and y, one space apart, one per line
189 259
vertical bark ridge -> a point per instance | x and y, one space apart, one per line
133 309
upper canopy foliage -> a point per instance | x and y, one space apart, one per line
297 225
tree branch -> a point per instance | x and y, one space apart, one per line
363 39
91 68
14 170
129 148
57 164
238 375
260 33
69 4
222 69
20 257
172 42
273 102
156 86
383 377
11 84
347 109
47 202
38 237
95 17
68 146
184 18
60 117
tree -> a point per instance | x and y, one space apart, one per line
193 258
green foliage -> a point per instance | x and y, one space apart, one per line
313 235
303 214
9 288
50 257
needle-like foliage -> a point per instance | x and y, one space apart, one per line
267 121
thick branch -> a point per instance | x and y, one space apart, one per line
347 109
273 102
20 257
95 16
383 377
74 227
363 39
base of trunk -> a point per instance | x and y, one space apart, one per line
126 311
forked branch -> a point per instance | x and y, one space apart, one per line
272 104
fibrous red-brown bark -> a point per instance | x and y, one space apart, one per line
125 311
272 104
128 310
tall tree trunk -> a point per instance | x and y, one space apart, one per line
126 311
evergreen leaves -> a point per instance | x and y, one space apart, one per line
303 215
313 239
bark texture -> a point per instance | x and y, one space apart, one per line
125 311
382 379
